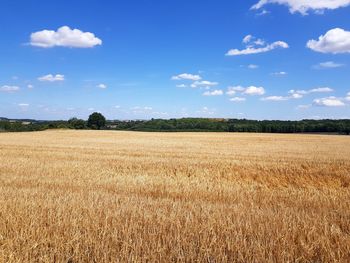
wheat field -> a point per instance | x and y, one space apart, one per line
103 196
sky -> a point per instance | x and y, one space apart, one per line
142 59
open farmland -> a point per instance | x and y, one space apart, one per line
100 196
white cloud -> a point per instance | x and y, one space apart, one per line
231 92
30 86
335 41
256 47
9 89
52 78
263 12
329 102
347 96
234 89
102 86
64 37
275 98
181 86
280 73
204 83
328 64
216 92
247 39
186 76
292 95
23 104
303 107
138 109
259 42
321 90
304 6
297 94
237 99
252 66
252 90
206 111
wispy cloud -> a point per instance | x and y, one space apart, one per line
304 6
279 73
256 46
238 99
203 83
328 65
9 89
216 92
186 76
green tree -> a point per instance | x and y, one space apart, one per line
77 124
96 121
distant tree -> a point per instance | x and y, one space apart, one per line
76 123
96 121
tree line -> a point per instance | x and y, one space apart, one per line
97 121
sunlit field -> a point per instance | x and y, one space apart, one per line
101 196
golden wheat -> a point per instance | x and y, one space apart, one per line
100 196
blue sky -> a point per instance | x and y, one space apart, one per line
268 59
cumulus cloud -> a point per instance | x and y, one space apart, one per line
237 99
216 92
232 90
186 76
328 64
304 6
52 78
64 37
252 90
329 102
295 95
256 46
102 86
204 83
335 41
9 89
181 86
30 86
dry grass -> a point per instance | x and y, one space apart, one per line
86 196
